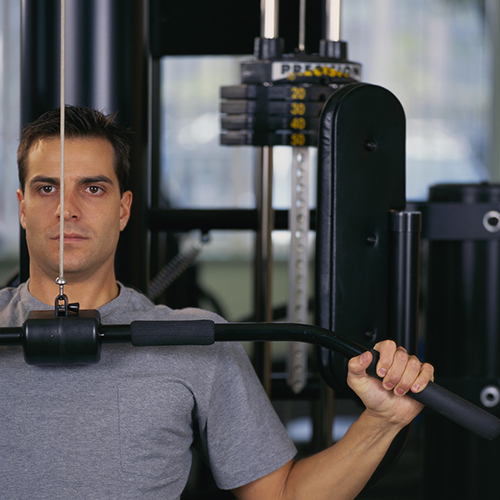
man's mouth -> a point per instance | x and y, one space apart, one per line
71 237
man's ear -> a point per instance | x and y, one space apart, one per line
125 205
22 211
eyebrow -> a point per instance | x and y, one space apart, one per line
41 179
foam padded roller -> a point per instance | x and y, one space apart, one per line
151 333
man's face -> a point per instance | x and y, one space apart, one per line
94 210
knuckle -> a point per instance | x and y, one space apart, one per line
401 355
414 364
386 343
428 367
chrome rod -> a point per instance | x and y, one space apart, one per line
332 17
269 18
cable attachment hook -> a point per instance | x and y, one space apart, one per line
62 308
61 302
61 282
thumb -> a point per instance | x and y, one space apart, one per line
359 364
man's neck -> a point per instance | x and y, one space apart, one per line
89 293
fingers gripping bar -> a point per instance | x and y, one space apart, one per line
451 406
51 340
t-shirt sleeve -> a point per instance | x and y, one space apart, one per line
242 436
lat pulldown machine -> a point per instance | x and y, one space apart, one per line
365 253
351 133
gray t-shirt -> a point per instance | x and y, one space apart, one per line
123 428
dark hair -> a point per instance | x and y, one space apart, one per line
79 122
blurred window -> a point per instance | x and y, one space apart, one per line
10 111
434 55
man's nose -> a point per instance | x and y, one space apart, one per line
71 208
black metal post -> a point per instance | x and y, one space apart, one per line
404 289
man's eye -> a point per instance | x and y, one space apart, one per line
47 189
94 189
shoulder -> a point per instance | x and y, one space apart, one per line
192 313
9 301
15 303
132 305
7 294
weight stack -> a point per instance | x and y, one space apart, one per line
281 96
462 225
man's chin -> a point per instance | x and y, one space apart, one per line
75 270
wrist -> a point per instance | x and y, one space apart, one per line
382 422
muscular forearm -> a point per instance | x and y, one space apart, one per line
340 472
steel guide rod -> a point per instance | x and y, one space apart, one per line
269 18
332 16
264 260
264 193
302 26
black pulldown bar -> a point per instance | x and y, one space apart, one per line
76 339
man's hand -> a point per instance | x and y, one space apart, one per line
342 470
401 373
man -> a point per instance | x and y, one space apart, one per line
124 427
